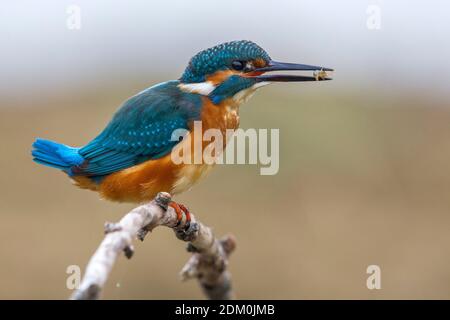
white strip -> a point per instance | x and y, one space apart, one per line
203 88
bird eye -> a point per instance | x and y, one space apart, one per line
238 65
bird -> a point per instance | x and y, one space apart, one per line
129 161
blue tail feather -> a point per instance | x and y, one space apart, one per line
56 155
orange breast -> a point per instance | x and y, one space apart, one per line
142 182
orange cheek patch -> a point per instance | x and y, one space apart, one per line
220 76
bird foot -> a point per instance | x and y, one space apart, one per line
181 211
189 229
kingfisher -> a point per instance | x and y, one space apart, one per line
129 161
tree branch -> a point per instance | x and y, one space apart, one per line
208 263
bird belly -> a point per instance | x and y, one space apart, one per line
142 182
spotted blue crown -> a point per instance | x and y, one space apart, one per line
220 57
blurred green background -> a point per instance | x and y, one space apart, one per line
364 160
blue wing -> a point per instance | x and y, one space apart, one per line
141 130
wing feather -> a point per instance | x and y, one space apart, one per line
140 130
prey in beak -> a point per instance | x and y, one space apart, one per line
319 73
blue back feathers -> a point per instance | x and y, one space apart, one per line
220 57
140 130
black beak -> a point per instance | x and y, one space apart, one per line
319 75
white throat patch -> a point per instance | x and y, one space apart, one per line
243 95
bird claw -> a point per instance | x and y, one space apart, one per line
181 210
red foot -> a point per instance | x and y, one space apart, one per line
180 210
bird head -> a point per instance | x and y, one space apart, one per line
236 69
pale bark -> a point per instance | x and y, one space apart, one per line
208 263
